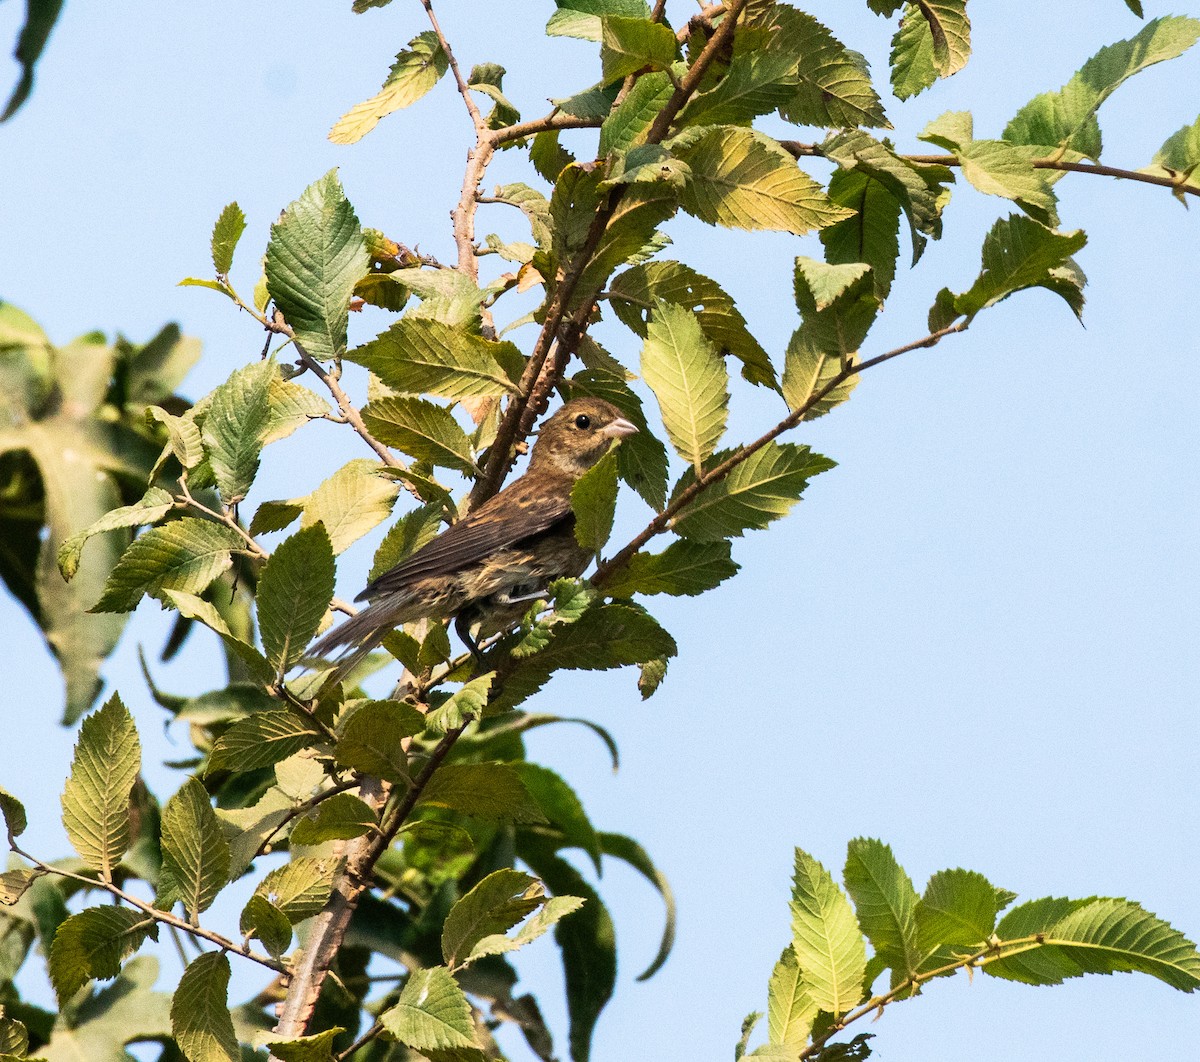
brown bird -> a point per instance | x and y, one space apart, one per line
500 554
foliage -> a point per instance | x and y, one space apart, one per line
404 819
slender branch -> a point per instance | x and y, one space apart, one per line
663 520
521 411
989 954
464 91
226 519
554 120
165 917
304 808
1176 184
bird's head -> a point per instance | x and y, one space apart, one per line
577 436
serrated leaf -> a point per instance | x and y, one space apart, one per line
760 78
294 591
235 427
301 888
652 674
15 883
790 1009
419 356
1067 118
808 370
291 406
885 903
183 436
825 935
422 430
261 740
683 569
153 507
491 791
315 256
582 18
633 294
553 910
432 1013
95 800
461 707
744 179
192 607
93 944
1180 154
1035 965
416 70
262 919
337 818
955 916
762 488
1020 253
594 503
628 45
934 40
407 535
186 554
195 854
356 498
627 124
230 225
494 905
688 378
200 1015
318 1048
372 738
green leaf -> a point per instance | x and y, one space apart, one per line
761 77
337 818
1179 158
13 810
315 256
291 406
153 507
683 569
235 428
421 429
95 800
885 902
628 123
919 188
833 87
301 888
583 18
318 1048
553 910
594 503
634 292
407 535
183 436
200 1015
192 607
562 807
461 707
294 592
1107 936
356 498
1067 118
744 179
93 944
808 370
418 356
495 905
261 740
416 70
40 16
225 235
262 919
195 853
628 45
826 938
688 378
372 738
790 1009
186 554
14 1039
934 40
491 791
652 674
955 916
432 1013
762 488
1019 253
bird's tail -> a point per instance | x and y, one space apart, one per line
362 633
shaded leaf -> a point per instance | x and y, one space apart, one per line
337 818
492 791
153 507
372 738
200 1016
495 905
261 740
93 944
684 568
301 888
594 503
432 1013
262 919
628 45
294 591
421 429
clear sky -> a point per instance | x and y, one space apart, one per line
975 639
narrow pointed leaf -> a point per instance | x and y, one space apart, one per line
827 940
195 853
885 903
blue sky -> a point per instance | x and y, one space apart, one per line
975 638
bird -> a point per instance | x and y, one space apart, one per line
499 555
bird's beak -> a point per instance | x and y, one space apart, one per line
618 429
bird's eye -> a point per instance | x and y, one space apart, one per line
583 422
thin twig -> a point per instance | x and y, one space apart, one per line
1176 184
304 808
165 917
464 90
662 521
362 1041
554 120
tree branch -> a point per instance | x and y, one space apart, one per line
1176 184
662 521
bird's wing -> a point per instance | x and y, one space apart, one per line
525 508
